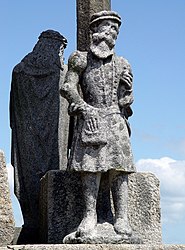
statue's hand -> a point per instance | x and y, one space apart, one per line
92 124
90 115
76 108
127 78
94 127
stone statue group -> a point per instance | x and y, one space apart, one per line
92 139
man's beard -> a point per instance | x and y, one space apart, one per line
102 45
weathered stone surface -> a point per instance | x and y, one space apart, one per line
36 125
101 140
105 234
95 247
144 207
16 235
6 212
85 9
62 206
63 127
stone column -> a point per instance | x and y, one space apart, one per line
6 212
85 8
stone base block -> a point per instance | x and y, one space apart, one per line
6 212
61 206
104 234
94 247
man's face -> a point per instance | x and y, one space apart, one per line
106 30
109 28
104 38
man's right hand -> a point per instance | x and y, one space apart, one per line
76 109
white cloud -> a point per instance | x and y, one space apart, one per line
171 174
10 176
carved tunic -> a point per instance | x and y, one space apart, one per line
104 145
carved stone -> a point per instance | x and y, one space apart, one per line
101 142
36 125
6 212
62 208
85 9
96 247
61 204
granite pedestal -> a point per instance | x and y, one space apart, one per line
62 206
95 247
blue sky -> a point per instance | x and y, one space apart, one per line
152 38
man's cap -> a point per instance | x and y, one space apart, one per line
53 35
103 15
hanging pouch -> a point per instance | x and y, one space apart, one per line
94 131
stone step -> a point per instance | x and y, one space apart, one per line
93 247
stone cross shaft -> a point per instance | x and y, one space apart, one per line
85 8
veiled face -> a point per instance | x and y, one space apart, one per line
48 53
104 37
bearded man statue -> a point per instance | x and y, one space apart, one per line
101 138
